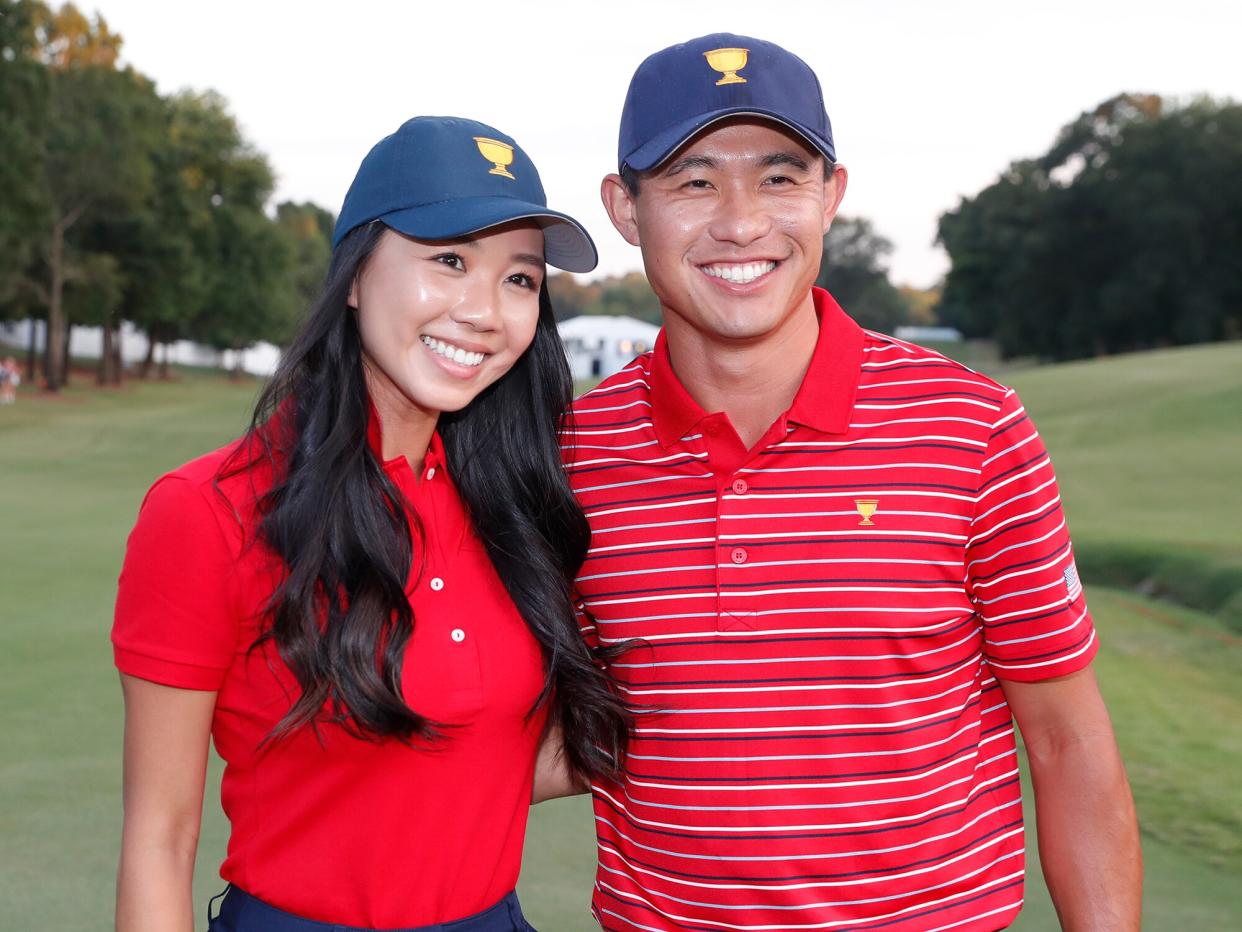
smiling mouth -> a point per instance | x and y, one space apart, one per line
453 353
739 273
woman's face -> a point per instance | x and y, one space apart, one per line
442 320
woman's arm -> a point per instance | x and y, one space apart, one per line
166 737
553 778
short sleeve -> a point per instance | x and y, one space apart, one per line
175 620
1020 570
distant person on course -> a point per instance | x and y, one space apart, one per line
365 601
841 560
10 378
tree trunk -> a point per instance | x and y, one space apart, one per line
64 354
118 358
32 353
103 375
164 363
53 367
144 369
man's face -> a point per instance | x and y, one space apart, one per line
731 229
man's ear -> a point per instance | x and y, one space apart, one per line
835 180
619 203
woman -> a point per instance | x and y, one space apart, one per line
364 601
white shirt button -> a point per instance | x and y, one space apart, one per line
437 583
431 473
458 635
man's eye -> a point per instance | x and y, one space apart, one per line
451 259
698 183
780 180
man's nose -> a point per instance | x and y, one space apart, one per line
741 217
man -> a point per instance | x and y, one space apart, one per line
840 562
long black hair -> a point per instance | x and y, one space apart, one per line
341 618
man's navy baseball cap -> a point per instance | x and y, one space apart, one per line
445 177
677 92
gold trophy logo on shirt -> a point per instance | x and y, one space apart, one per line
498 153
866 507
728 62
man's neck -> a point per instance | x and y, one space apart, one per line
753 382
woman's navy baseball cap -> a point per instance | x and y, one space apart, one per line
445 177
679 91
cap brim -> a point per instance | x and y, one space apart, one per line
566 243
660 147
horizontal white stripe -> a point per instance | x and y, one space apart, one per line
1048 634
1021 592
846 755
649 507
801 726
860 467
1006 577
825 885
870 425
883 514
1021 545
782 534
646 480
1009 449
826 826
833 707
797 590
924 403
582 464
905 681
772 632
869 439
1044 663
756 661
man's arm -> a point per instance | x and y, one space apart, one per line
1088 832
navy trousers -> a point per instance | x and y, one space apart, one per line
241 912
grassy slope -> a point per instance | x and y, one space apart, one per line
74 472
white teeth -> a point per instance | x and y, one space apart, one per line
455 353
740 274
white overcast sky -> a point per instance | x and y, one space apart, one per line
929 99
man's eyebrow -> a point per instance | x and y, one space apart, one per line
785 158
689 161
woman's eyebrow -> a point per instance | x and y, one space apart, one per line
529 258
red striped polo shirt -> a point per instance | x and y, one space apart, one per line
818 626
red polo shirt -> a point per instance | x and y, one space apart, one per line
820 624
330 827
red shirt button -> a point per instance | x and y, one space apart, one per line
738 555
740 487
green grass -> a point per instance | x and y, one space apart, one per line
1147 447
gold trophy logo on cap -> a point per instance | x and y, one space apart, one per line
866 507
498 153
729 62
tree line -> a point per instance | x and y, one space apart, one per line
117 203
1125 235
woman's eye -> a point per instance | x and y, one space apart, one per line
524 280
451 259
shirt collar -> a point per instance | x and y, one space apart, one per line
375 439
824 401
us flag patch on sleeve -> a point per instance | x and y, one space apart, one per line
1073 586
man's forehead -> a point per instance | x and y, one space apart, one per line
745 138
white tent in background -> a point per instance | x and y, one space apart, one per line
597 346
